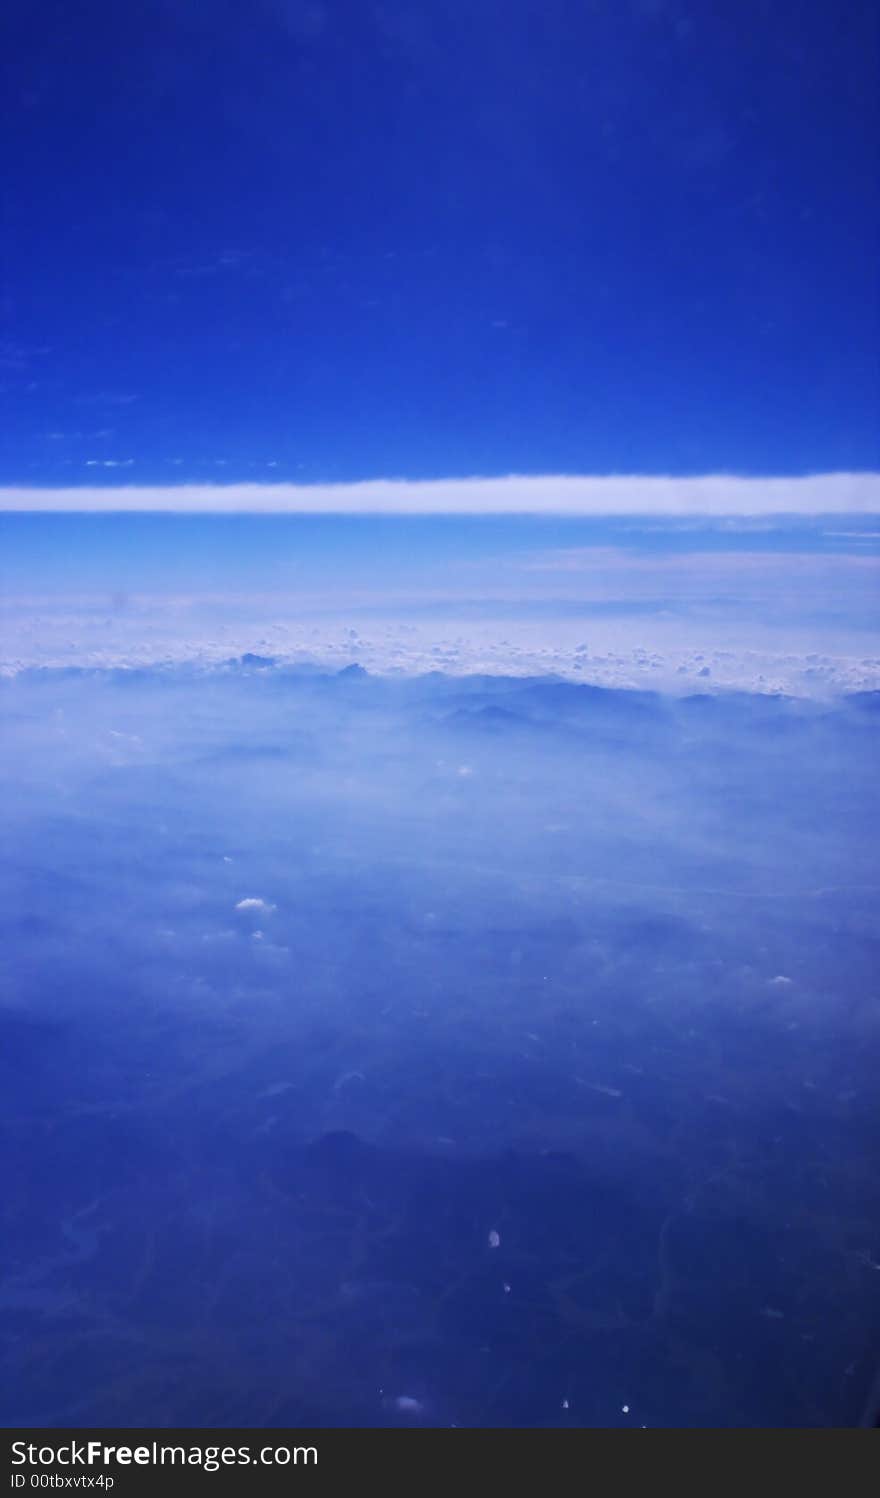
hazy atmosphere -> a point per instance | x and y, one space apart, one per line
592 970
439 709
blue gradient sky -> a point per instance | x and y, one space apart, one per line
324 241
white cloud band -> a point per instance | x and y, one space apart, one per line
712 494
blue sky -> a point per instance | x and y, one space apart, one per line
325 242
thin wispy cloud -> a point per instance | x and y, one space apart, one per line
562 494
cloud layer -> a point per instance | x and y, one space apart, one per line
712 494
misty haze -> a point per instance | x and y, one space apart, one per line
439 714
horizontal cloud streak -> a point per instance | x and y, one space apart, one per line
712 494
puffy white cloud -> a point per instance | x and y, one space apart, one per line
151 635
563 494
254 904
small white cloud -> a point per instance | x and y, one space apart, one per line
252 902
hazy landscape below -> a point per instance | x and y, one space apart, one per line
440 1049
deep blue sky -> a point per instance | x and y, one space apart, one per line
348 239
